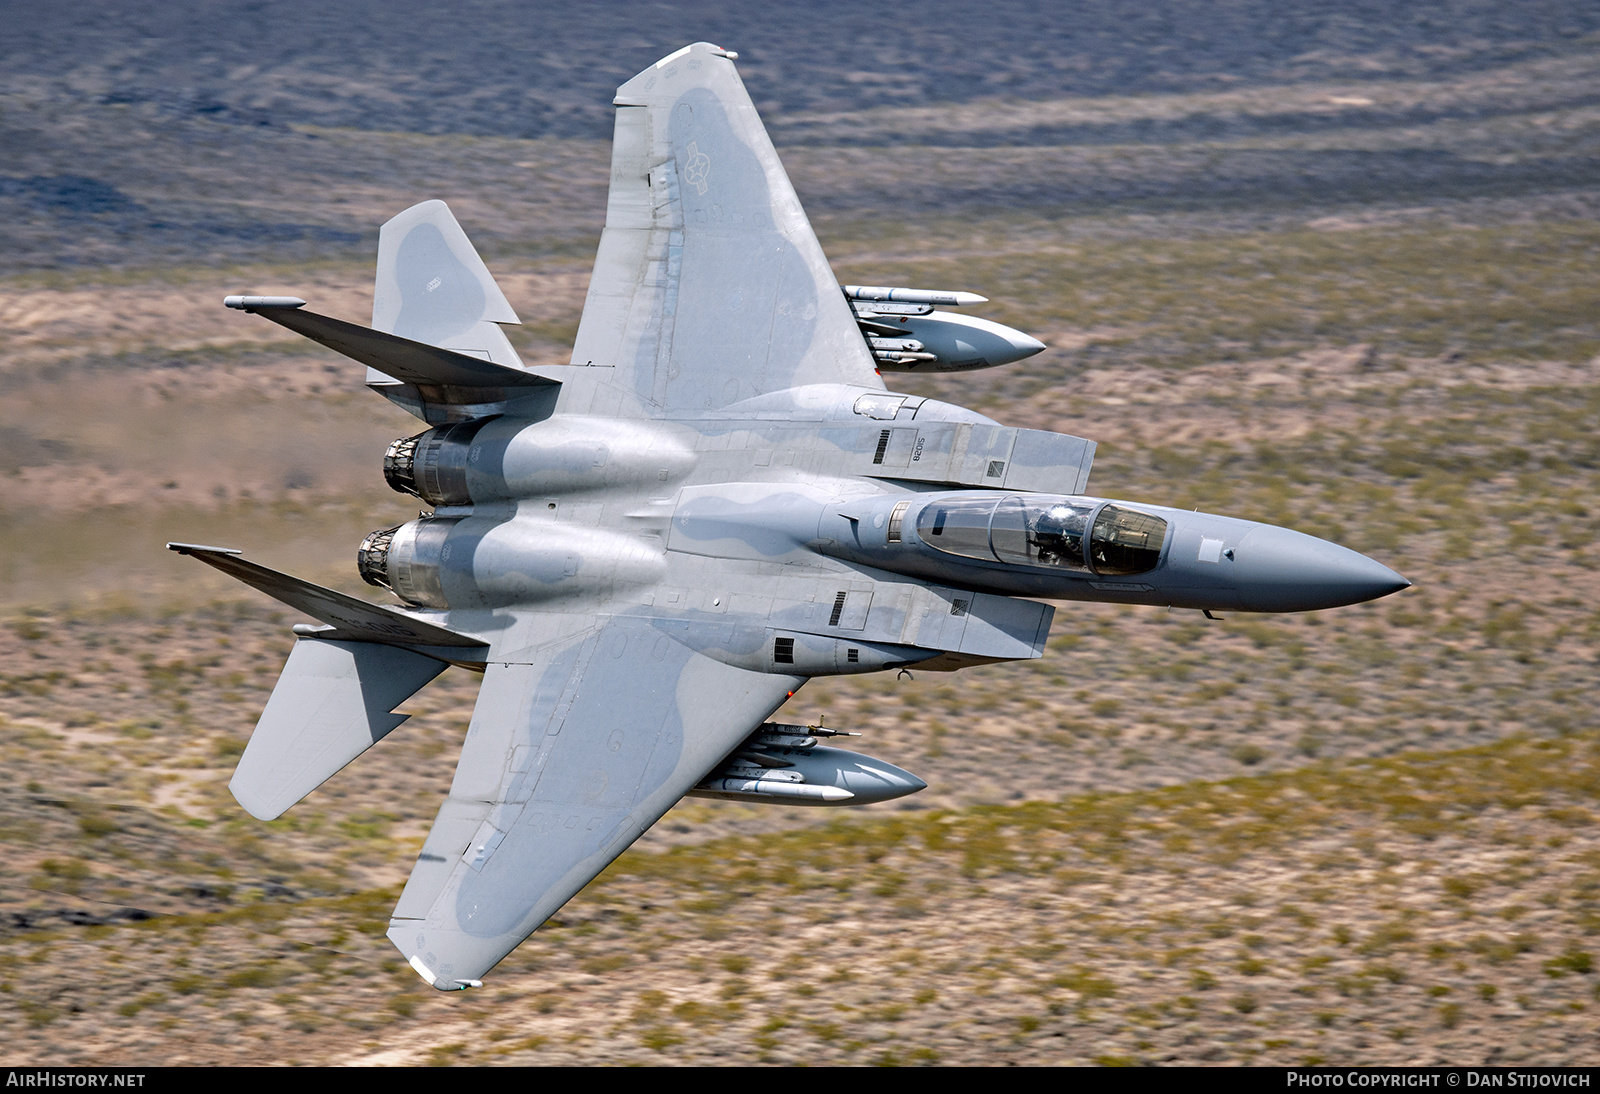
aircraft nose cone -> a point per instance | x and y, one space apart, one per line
1283 571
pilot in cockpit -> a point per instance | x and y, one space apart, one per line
1057 536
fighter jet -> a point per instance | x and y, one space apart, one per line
647 551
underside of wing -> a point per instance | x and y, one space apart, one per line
571 756
709 286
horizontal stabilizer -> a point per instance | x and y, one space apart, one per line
332 703
407 361
351 619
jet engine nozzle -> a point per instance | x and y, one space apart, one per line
400 465
433 465
405 559
372 557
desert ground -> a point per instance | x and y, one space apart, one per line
1335 272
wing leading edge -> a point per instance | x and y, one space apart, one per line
709 286
572 754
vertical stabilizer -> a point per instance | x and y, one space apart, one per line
432 287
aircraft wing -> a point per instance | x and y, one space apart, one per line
709 286
577 745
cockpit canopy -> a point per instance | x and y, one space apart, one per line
1045 532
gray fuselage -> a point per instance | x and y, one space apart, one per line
784 499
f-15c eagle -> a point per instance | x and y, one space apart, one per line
647 551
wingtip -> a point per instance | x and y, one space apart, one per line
697 47
197 548
422 970
253 802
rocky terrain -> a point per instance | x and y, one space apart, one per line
1330 270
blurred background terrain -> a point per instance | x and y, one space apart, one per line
1329 266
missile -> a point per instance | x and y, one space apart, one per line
250 303
765 790
913 296
742 768
869 308
777 735
782 740
895 345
